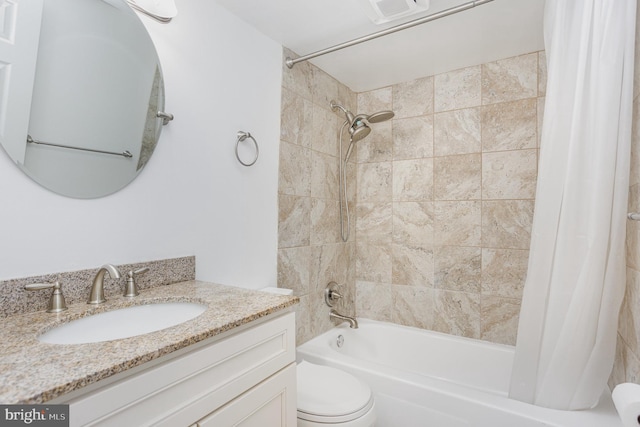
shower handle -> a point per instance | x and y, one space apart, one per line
331 294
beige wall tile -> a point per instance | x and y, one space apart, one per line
509 174
375 100
458 268
322 266
542 73
413 180
319 312
540 108
325 131
324 176
295 170
293 269
457 177
413 138
373 262
345 266
374 301
458 223
632 366
413 223
633 244
303 320
294 221
504 272
509 126
374 222
510 79
629 324
506 224
457 313
297 79
414 98
499 319
296 113
374 182
377 146
325 221
412 306
412 265
457 132
458 89
325 88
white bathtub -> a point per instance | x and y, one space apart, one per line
427 379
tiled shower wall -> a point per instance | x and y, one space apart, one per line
445 199
627 365
310 250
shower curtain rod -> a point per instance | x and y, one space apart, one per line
451 11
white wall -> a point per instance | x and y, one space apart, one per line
193 198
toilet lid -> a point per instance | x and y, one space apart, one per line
328 392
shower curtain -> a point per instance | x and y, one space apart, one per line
576 275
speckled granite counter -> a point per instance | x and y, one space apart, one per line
33 372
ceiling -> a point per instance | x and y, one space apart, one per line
495 30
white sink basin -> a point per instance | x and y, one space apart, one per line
123 323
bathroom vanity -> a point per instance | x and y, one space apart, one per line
232 365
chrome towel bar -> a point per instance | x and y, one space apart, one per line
35 141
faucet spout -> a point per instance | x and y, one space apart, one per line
353 323
97 288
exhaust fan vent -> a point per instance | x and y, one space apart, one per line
382 11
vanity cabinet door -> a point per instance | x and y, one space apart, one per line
271 403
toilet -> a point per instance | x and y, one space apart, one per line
329 397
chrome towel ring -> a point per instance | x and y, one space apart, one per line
241 137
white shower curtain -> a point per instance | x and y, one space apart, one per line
576 276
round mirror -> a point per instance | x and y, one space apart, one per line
96 95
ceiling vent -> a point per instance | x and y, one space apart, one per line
382 11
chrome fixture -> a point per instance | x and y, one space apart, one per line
97 288
166 117
242 136
633 216
353 323
358 129
56 302
331 295
340 341
131 289
160 10
126 153
290 62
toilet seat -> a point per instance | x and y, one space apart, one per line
329 395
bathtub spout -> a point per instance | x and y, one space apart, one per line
353 323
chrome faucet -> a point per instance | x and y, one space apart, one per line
97 289
353 323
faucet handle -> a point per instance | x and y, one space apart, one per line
131 289
331 294
56 302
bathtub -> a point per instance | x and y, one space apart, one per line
427 379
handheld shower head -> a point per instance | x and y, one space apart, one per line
358 130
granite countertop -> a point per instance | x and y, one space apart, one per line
34 372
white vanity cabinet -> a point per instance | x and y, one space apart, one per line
244 379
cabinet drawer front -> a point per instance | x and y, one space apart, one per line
269 404
183 390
